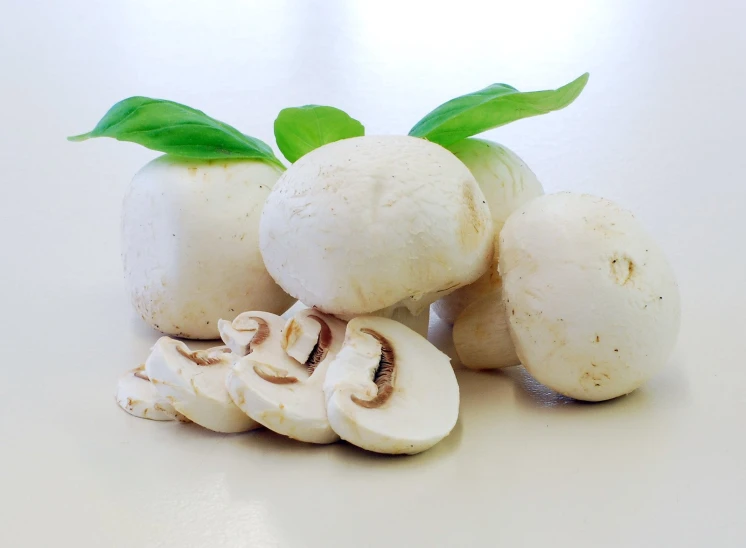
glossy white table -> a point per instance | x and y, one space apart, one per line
660 129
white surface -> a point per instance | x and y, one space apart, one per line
660 129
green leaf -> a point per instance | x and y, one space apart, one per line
299 130
177 129
491 107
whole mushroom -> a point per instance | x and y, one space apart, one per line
592 304
380 225
190 244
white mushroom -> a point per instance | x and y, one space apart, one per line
376 225
190 244
282 393
592 303
138 397
507 183
194 383
481 335
389 390
248 329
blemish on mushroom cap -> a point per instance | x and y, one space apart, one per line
384 376
140 374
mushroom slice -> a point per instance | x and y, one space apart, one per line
247 328
138 397
282 393
194 383
389 390
300 336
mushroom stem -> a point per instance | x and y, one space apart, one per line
482 337
418 323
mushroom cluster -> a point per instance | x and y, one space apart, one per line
369 233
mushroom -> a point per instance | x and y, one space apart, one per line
507 183
190 244
194 383
138 397
389 390
285 393
248 329
376 225
593 305
481 335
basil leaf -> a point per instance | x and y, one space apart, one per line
491 107
299 130
177 129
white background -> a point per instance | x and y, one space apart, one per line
661 128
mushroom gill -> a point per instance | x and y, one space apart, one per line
384 376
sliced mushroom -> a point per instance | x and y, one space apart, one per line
282 393
194 383
300 335
247 328
389 390
138 397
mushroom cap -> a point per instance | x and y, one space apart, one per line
592 303
138 397
282 393
365 223
190 244
423 406
196 386
507 183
